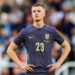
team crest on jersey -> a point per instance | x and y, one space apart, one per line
47 36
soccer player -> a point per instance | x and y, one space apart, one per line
38 39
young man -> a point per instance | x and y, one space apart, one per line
38 39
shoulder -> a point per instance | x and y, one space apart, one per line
27 29
50 28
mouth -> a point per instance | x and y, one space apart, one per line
36 16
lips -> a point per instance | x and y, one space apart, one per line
36 16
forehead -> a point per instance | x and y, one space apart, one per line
37 8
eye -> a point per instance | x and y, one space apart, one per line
34 11
39 11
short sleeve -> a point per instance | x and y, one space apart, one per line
19 38
57 37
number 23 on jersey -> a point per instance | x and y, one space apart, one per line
39 46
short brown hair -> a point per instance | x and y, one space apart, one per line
35 5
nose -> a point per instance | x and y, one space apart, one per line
36 13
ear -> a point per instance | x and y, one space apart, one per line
44 13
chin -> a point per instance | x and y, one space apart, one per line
37 20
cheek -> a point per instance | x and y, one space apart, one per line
33 15
42 15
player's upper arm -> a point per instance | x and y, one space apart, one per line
57 37
19 38
12 46
65 44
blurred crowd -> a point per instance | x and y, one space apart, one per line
16 14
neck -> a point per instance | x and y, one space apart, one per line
38 24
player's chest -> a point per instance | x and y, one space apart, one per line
40 36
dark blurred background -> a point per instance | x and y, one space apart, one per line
16 14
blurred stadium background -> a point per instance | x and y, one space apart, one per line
16 14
